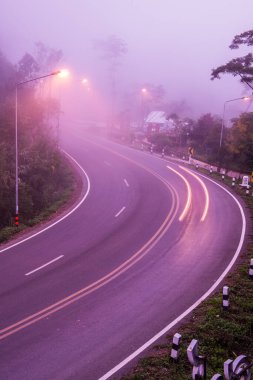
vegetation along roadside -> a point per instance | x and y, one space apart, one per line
45 178
221 334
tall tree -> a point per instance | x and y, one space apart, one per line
239 142
27 67
112 49
205 135
241 66
39 158
48 58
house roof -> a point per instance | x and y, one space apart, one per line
157 117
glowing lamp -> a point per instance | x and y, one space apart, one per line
63 73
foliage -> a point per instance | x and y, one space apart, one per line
161 141
111 48
205 136
46 56
242 66
236 152
42 174
239 142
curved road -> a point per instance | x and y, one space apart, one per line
147 241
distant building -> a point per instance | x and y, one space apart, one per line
156 122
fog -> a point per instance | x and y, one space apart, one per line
174 44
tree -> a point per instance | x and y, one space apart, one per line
43 61
41 173
6 77
205 136
162 141
112 49
239 142
47 57
242 66
27 68
177 107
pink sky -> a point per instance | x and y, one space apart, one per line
172 43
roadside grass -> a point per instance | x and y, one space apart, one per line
62 198
222 334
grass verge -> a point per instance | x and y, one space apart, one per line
65 197
221 334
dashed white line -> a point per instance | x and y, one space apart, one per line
45 265
120 211
126 183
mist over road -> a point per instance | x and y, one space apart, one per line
149 240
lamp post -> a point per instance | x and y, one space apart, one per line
61 73
85 82
223 115
144 92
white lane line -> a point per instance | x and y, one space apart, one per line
126 183
192 307
44 265
189 194
120 211
65 216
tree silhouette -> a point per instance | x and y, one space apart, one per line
242 66
112 49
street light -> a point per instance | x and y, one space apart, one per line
61 73
144 93
86 83
223 124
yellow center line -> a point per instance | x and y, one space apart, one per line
33 318
207 201
189 194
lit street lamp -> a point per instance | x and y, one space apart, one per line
86 83
61 73
224 107
144 93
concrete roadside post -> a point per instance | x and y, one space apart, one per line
225 297
175 346
251 269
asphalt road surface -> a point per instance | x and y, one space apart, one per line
148 238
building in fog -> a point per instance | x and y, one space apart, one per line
156 122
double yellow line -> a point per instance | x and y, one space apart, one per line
33 318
